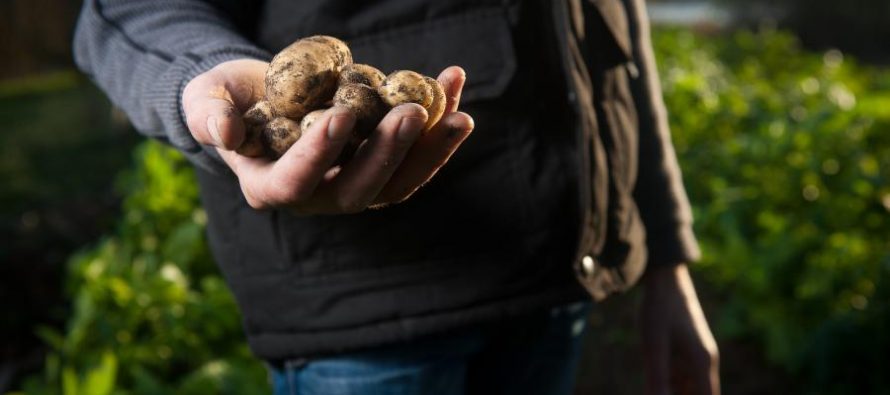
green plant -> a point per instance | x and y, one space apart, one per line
151 314
786 156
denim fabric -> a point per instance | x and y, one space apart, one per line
531 355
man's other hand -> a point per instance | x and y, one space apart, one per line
680 353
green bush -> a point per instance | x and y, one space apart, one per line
150 313
786 156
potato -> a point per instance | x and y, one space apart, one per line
279 134
437 108
365 103
361 74
342 54
304 75
255 119
310 118
405 86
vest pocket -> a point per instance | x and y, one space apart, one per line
479 41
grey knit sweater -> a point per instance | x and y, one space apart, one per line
143 53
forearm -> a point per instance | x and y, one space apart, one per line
143 53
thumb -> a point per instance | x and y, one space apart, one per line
211 114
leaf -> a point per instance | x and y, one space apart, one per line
69 381
100 380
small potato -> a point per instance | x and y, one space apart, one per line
405 86
437 107
361 74
304 75
310 118
255 119
279 134
365 103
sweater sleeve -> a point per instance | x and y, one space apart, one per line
143 53
660 194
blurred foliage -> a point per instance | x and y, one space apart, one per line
151 314
787 157
60 149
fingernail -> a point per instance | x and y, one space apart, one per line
213 128
340 127
409 128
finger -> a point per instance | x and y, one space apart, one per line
250 172
214 101
293 178
211 115
426 157
365 175
452 80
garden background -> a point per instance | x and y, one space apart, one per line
781 120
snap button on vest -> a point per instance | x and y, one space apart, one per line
589 265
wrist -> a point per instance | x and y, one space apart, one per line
664 274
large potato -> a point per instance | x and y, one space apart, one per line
303 76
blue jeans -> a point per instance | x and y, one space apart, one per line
532 355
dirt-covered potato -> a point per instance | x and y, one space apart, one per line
341 51
255 119
405 86
437 108
361 74
310 118
365 103
304 75
279 134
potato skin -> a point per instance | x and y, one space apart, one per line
405 86
280 134
357 73
342 54
437 107
304 75
310 118
365 103
255 119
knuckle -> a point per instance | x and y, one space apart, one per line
252 201
289 193
194 126
706 356
714 356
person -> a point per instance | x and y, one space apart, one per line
448 262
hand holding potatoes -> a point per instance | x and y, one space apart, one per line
228 107
318 71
